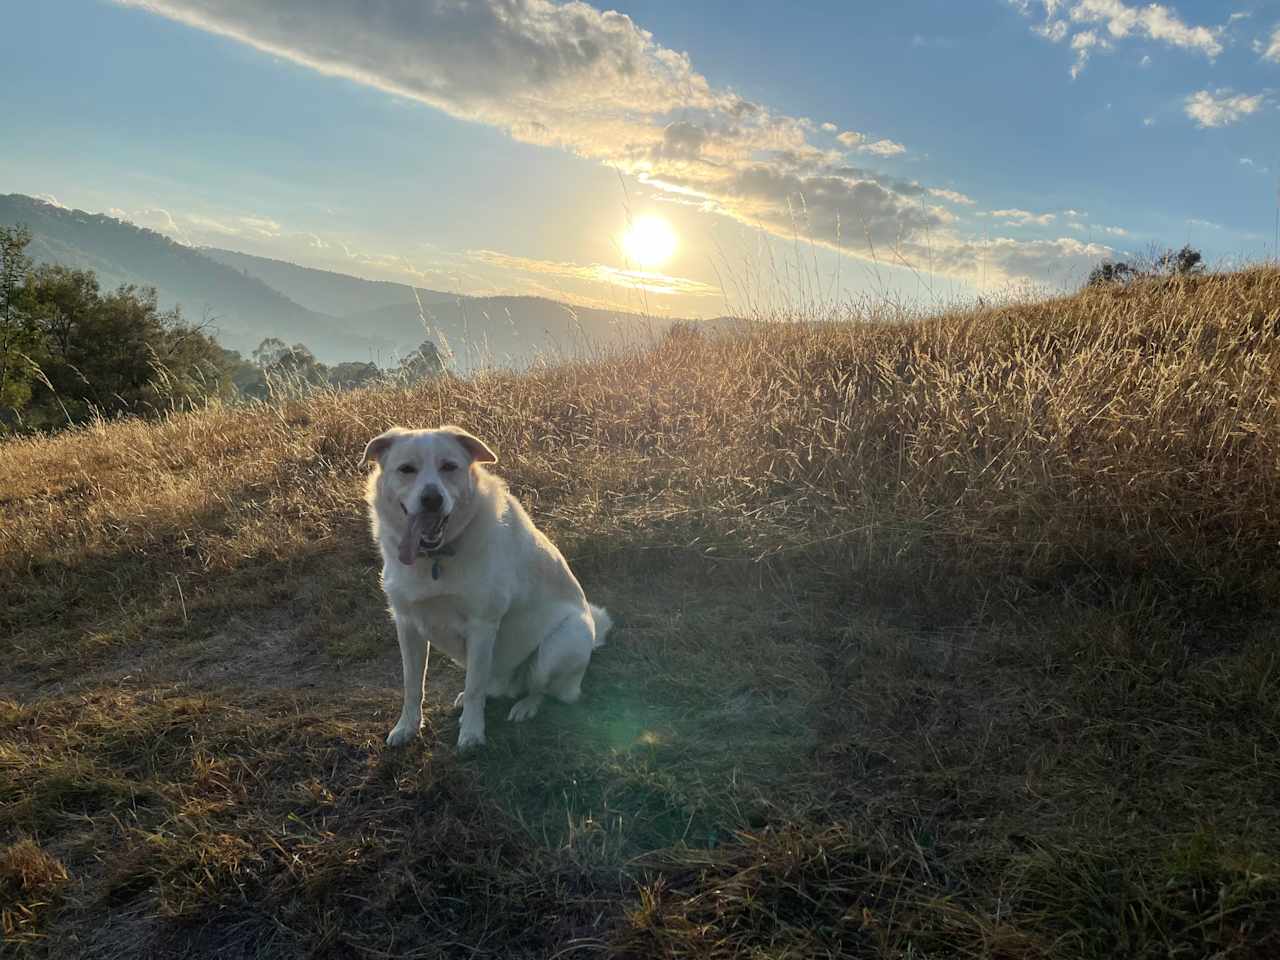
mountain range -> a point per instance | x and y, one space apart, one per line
244 299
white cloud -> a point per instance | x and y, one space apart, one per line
1153 20
861 143
211 225
1055 31
50 199
952 196
651 282
1022 218
262 226
1083 44
1002 259
1221 108
1270 48
267 237
1148 121
1145 61
883 148
597 84
155 218
1079 227
829 127
1081 21
1208 224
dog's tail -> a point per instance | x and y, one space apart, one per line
603 623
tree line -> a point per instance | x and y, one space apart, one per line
1186 262
70 351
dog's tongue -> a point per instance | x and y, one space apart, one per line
412 536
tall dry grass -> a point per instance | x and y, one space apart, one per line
1117 432
810 736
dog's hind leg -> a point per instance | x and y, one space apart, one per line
557 666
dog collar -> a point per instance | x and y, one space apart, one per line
444 550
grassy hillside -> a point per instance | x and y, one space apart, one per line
953 637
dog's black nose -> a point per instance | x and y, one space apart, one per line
432 500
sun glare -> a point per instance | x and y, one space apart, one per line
649 241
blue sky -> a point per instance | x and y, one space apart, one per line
926 148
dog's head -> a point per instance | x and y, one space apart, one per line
427 475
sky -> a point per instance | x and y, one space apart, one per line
680 158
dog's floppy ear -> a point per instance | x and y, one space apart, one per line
473 445
379 444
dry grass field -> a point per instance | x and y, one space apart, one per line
951 637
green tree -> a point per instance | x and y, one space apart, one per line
247 378
269 351
1107 273
19 336
114 354
289 367
422 364
1186 262
353 374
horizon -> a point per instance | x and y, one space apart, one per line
626 159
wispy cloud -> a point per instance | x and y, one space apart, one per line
651 282
157 219
1222 107
861 143
1085 228
1099 25
1270 47
263 235
1022 218
951 196
195 229
262 226
597 84
1084 43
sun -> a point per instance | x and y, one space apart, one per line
649 241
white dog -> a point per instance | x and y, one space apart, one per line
465 569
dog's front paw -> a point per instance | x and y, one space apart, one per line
470 739
402 733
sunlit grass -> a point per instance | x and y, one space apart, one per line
938 636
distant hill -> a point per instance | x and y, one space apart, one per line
507 331
322 290
241 308
339 317
479 331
